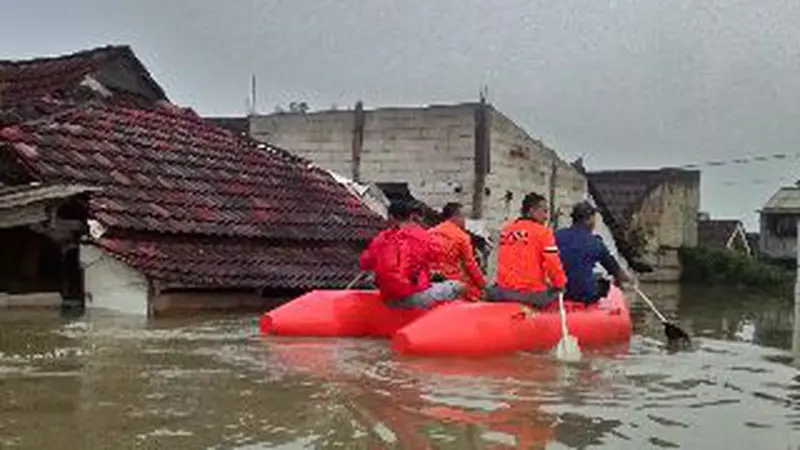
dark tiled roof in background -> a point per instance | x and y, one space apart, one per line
239 126
620 193
197 263
60 77
171 172
623 191
716 233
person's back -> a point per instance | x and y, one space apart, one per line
454 255
520 262
581 250
400 258
528 266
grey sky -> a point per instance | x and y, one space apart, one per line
629 84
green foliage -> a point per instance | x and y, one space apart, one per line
715 266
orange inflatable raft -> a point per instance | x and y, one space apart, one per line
337 313
490 329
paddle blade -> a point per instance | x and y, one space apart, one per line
675 334
567 349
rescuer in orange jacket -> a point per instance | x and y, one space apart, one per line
454 257
529 268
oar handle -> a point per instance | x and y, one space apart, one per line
649 303
563 313
355 280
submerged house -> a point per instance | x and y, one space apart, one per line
778 224
651 214
152 208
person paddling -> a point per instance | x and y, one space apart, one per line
455 256
400 258
529 270
581 250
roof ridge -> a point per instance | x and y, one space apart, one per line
110 50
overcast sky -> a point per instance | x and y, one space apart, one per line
627 84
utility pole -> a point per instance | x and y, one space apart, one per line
553 212
252 111
796 323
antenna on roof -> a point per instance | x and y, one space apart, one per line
483 93
252 111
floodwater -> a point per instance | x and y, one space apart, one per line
108 382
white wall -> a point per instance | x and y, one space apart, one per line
111 284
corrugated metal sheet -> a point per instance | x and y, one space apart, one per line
786 200
17 196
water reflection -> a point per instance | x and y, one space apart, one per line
102 381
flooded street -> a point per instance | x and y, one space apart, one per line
105 382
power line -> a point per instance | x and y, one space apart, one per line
739 161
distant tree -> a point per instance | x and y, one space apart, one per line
298 107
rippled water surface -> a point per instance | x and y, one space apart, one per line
107 382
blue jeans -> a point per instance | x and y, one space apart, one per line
443 291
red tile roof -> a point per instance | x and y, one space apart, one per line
198 263
166 171
61 76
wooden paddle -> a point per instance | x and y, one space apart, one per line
567 349
355 280
675 335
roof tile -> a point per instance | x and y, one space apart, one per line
61 76
190 183
224 264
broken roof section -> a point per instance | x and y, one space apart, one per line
105 72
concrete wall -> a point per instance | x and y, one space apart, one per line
111 284
433 150
430 148
669 215
520 164
669 218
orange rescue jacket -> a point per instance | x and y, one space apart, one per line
527 258
455 258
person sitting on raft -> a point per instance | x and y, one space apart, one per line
580 251
529 269
455 256
400 258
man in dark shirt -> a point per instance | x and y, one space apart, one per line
580 250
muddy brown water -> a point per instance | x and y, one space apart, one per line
104 381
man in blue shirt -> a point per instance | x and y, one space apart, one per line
580 250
